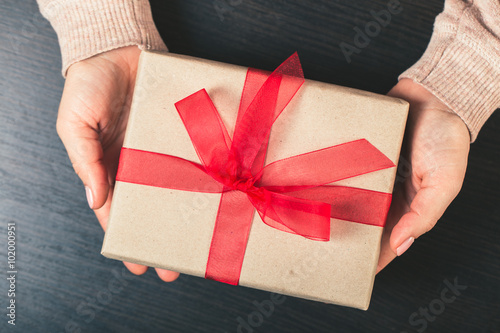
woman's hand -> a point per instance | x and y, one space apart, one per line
91 124
435 150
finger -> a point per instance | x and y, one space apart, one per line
167 276
85 153
428 205
135 268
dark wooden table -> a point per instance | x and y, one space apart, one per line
63 283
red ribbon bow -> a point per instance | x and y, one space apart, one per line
289 195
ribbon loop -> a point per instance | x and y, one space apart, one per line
252 130
207 132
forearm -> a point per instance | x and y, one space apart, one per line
461 65
88 27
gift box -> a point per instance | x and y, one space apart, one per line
265 180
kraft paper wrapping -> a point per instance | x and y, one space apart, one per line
172 229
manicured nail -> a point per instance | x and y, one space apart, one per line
90 199
404 246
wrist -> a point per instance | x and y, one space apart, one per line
418 96
125 58
426 107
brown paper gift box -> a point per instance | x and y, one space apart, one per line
172 229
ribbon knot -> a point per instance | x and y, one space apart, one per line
244 185
291 196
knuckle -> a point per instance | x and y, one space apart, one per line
429 224
78 168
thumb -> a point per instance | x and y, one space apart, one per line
428 205
86 155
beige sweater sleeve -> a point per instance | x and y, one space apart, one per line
88 27
461 65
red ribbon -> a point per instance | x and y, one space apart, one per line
289 195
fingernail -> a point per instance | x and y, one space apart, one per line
90 199
404 246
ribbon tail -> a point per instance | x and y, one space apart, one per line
206 130
350 203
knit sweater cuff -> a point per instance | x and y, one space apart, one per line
86 28
462 73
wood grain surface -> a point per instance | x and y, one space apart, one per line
65 285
